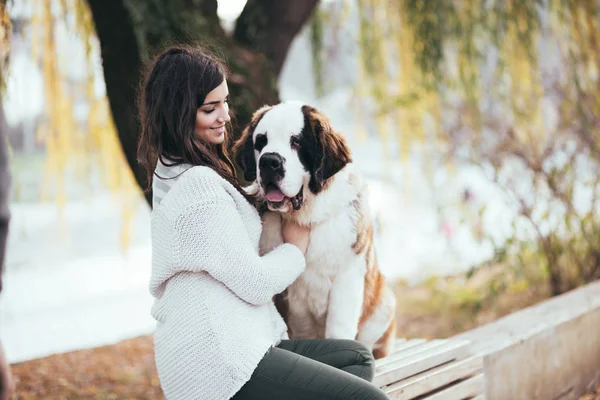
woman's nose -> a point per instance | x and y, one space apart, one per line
225 118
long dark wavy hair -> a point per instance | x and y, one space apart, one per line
174 86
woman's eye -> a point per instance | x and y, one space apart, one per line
295 142
209 111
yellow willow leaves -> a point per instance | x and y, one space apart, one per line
379 58
59 127
378 49
525 86
416 55
78 150
583 30
407 120
5 31
362 89
386 47
414 105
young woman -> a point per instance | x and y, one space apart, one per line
218 333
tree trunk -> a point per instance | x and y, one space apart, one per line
131 31
269 26
121 63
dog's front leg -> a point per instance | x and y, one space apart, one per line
271 233
346 301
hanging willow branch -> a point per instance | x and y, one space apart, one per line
471 71
437 48
83 150
5 31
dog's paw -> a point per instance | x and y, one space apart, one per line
252 189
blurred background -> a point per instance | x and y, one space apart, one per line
476 123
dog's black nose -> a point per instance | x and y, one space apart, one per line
271 161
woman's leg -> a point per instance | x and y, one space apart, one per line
285 375
348 355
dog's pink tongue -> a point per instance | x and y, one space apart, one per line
275 195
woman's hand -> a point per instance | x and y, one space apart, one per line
295 234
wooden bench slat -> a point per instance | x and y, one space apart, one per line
436 378
462 390
398 348
406 352
420 360
411 353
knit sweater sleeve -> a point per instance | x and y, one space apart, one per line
210 236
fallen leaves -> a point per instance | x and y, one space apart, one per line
125 370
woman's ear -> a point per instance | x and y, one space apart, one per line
243 149
331 152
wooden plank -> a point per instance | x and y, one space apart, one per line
419 361
411 353
436 378
463 390
399 348
401 345
408 351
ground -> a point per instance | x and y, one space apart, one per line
126 370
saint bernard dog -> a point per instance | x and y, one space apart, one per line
300 169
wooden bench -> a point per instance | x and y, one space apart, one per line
431 370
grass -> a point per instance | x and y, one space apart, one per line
438 308
443 307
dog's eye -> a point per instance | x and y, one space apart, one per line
260 141
295 142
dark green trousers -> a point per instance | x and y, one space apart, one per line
314 369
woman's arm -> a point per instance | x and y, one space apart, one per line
210 236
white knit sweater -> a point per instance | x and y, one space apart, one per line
213 292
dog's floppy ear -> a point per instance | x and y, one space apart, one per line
331 152
243 149
244 154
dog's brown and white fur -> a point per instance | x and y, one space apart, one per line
301 170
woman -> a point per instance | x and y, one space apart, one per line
218 333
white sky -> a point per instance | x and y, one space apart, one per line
229 10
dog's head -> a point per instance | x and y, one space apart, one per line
287 147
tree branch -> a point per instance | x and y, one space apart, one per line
269 26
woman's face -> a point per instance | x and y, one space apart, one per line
212 115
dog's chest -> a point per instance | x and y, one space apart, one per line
331 244
329 252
